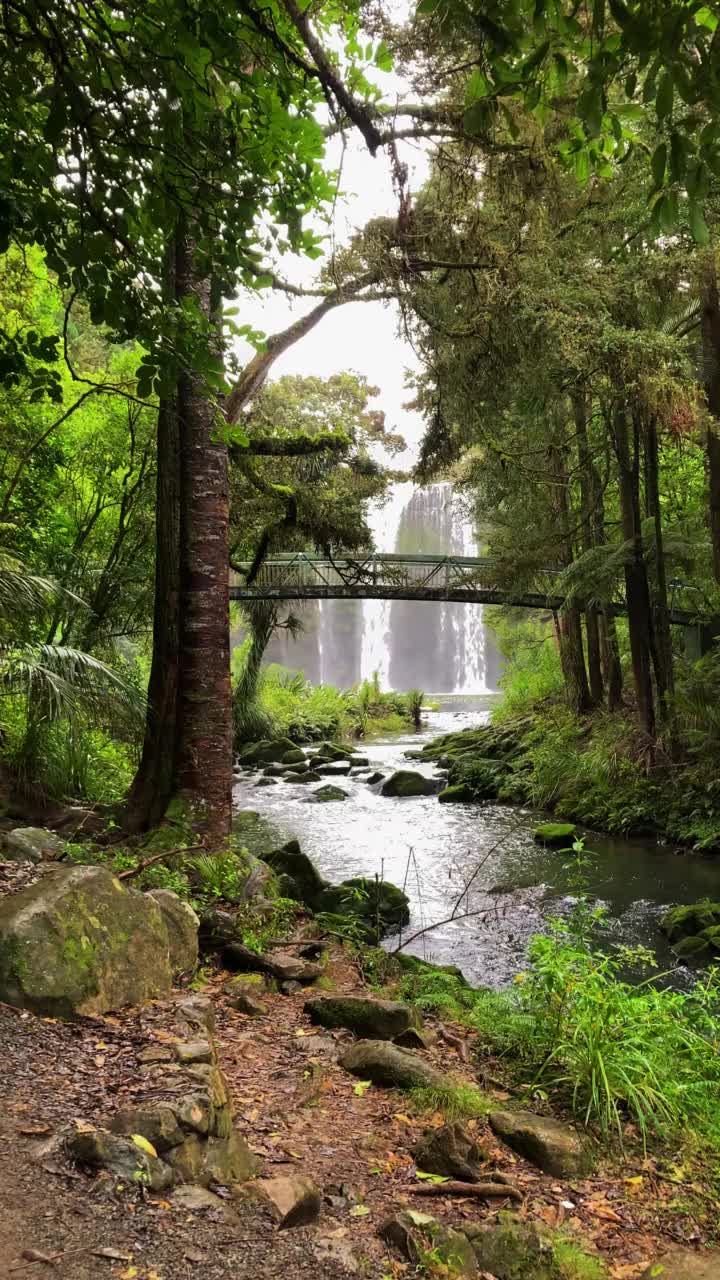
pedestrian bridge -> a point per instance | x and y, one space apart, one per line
465 579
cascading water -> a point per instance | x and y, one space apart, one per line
442 648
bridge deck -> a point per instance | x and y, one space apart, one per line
462 579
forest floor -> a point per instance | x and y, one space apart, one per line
300 1112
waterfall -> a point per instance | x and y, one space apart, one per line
442 648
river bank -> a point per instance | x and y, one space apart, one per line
432 849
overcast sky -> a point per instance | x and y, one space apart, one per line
361 337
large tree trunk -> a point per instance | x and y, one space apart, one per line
154 781
589 483
636 582
205 711
662 650
711 370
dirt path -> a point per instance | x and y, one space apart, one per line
300 1112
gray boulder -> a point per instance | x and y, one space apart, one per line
554 1147
450 1152
182 925
371 1019
30 844
327 794
78 943
99 1149
390 1065
406 782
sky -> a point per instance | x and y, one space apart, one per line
361 337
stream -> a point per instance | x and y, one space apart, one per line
431 850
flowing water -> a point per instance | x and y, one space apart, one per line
433 849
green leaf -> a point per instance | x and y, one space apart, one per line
706 18
383 57
361 1088
429 1177
658 164
698 225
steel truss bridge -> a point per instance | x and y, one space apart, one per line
465 579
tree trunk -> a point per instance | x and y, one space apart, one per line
569 626
154 781
662 652
205 709
612 668
711 372
636 582
589 484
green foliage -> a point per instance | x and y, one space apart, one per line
440 993
456 1102
220 875
616 1053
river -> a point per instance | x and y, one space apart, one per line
432 849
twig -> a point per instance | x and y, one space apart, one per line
480 1190
159 857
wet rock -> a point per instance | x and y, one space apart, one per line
294 1201
310 776
157 1122
359 762
100 1149
387 1064
78 943
30 844
682 1264
689 921
335 768
415 1235
554 1147
294 756
375 777
266 782
327 794
194 1051
406 782
450 1152
457 793
246 1003
303 877
555 835
292 769
274 771
371 1019
182 925
331 751
265 751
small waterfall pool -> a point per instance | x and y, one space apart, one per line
432 849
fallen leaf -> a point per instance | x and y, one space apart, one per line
144 1145
362 1087
34 1130
402 1118
113 1255
359 1211
429 1177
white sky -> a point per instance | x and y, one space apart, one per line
361 337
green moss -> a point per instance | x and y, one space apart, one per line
688 921
457 793
555 834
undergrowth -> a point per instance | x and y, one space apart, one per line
454 1102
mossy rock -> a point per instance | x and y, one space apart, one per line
298 873
457 793
555 835
373 903
697 948
406 782
414 964
265 751
364 1016
328 751
78 943
514 1250
688 921
294 756
327 794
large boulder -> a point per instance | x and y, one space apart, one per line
301 878
182 926
78 943
334 768
371 1019
406 782
30 844
419 1236
98 1149
694 930
510 1249
390 1065
555 835
554 1147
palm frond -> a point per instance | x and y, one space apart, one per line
60 682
